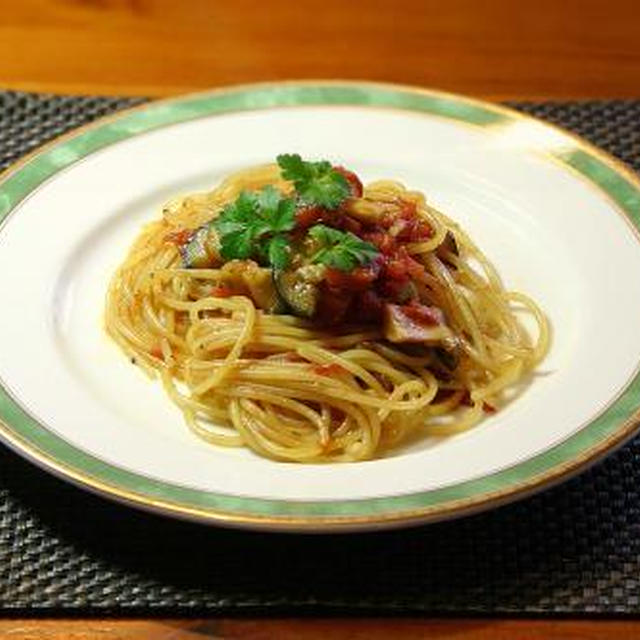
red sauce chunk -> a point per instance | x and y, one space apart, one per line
384 242
467 402
292 356
352 179
402 324
223 291
405 225
306 216
359 279
334 306
156 352
423 314
179 237
392 278
332 369
368 307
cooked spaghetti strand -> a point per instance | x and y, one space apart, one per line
249 366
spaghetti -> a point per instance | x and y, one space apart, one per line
293 312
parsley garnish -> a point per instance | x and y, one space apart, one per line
278 252
317 183
342 250
253 225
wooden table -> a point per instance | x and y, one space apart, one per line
313 629
497 49
491 48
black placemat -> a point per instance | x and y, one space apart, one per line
573 549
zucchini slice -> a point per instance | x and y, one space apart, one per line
300 295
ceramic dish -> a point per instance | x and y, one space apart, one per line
556 216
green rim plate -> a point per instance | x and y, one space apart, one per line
31 439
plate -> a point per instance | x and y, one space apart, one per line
557 217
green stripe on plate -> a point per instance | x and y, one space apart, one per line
156 115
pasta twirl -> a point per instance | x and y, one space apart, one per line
313 320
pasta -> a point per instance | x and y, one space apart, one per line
296 313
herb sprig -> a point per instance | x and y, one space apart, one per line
316 183
254 226
341 249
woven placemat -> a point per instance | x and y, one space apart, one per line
573 549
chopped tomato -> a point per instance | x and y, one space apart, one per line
399 326
417 231
333 306
357 280
415 269
395 268
223 291
156 352
179 237
385 242
309 215
412 231
408 209
406 225
333 369
369 306
350 224
423 314
400 265
352 179
466 399
292 356
397 271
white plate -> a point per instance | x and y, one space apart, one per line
555 215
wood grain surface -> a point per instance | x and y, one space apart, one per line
336 629
491 48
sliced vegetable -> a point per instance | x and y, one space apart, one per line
298 291
448 355
447 247
400 326
246 277
408 292
201 251
367 211
424 314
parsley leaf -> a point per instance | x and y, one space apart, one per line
237 245
237 214
277 212
341 250
249 226
317 183
278 252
